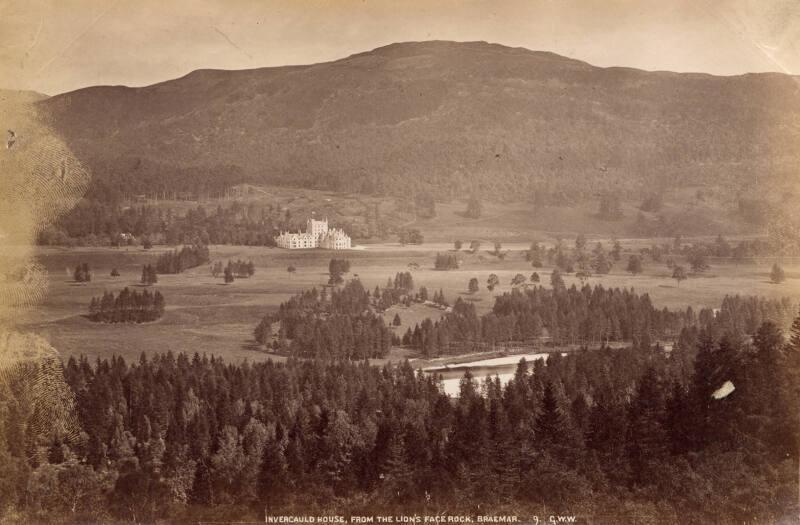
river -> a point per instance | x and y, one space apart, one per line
502 367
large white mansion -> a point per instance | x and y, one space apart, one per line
317 235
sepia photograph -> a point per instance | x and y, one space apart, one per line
421 262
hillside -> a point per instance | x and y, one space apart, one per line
446 117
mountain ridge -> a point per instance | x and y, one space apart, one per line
415 42
444 117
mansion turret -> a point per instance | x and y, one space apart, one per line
317 235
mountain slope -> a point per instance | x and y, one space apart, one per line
439 116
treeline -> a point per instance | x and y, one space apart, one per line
561 315
178 261
578 257
611 436
103 224
586 316
127 307
335 325
597 259
742 315
742 251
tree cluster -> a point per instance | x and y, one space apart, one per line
396 291
474 208
339 325
177 261
82 273
610 207
587 316
337 268
776 274
563 315
149 275
127 307
403 281
446 261
410 236
239 269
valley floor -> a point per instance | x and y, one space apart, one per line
207 316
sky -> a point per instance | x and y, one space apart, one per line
54 46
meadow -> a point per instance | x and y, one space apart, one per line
207 316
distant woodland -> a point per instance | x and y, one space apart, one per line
101 223
106 223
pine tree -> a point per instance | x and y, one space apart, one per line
273 475
474 208
556 281
714 365
777 275
397 474
767 380
647 439
149 275
634 265
549 426
679 274
792 374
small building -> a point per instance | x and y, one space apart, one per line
317 235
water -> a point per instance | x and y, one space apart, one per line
502 367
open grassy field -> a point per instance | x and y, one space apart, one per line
205 315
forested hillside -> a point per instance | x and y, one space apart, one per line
610 436
442 117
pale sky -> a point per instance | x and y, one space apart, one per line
53 46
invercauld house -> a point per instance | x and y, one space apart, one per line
317 235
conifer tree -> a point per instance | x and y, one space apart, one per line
777 275
647 439
549 426
272 478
